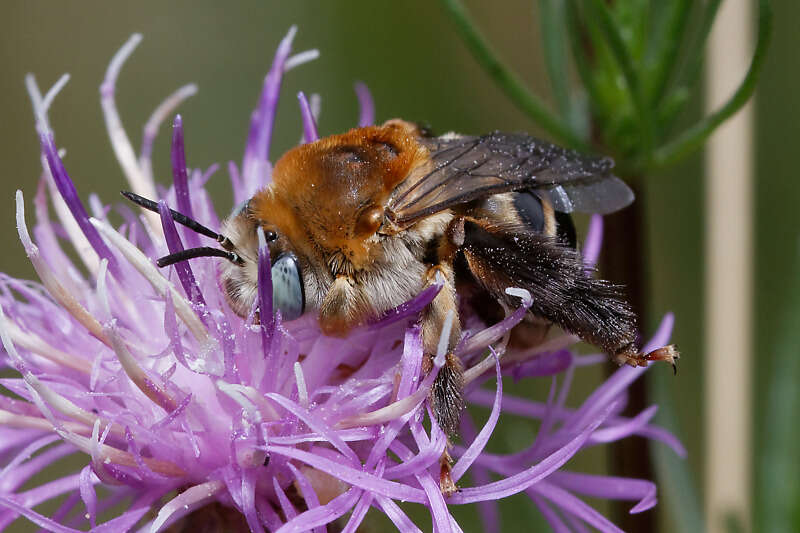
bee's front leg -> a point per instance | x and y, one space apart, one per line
446 396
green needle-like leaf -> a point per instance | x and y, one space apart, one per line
601 13
695 136
666 59
551 24
675 479
777 493
579 56
699 42
507 80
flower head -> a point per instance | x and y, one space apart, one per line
180 404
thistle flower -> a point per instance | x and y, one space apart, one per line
181 405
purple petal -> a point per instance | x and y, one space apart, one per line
129 518
629 427
575 506
622 378
172 331
239 190
359 512
662 334
309 124
576 525
33 516
70 195
348 474
52 489
286 506
249 501
265 292
66 508
547 364
489 510
549 420
594 242
442 521
549 514
152 125
661 434
184 270
201 181
173 415
306 490
184 503
261 124
411 362
306 417
366 105
523 480
483 338
323 514
27 453
410 308
396 515
440 516
180 175
268 514
479 443
609 488
419 462
88 494
17 477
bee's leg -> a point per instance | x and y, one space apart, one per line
633 357
446 397
341 307
563 292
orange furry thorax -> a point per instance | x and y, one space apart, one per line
328 197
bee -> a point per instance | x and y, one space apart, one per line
360 222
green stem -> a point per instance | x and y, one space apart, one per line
507 80
691 139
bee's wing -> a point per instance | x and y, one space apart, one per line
463 168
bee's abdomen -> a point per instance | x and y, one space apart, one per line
524 211
539 216
530 210
565 230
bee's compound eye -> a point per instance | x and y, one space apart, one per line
287 287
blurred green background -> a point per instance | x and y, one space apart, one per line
417 68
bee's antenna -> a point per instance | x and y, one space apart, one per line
204 251
180 218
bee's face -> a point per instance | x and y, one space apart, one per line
240 280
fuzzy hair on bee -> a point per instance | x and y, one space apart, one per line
360 222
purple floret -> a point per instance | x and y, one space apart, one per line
176 404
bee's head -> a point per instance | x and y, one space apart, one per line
239 244
240 279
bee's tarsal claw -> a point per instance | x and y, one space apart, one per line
446 483
667 353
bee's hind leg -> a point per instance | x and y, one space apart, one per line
446 396
632 357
